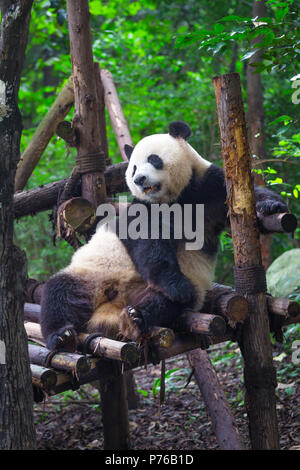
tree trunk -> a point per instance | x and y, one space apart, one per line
16 417
255 119
91 155
259 373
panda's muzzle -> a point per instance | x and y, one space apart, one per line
145 185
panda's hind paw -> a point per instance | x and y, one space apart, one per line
64 339
133 324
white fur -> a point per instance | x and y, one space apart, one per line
179 160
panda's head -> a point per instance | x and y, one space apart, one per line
161 165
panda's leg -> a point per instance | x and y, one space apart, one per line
66 306
153 309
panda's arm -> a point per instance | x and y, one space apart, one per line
268 202
156 261
212 187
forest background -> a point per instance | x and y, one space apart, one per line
163 55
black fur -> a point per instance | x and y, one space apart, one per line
156 260
179 129
128 150
66 304
156 161
154 308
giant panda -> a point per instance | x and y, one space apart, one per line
124 286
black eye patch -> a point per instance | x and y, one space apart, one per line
156 161
134 170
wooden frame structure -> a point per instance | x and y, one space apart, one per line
225 312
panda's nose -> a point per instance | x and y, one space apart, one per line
139 180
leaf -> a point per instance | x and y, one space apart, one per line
219 28
280 14
95 7
248 55
239 19
284 118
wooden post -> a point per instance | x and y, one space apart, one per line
259 373
91 157
115 112
222 419
45 130
114 410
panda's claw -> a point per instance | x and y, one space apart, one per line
132 324
65 339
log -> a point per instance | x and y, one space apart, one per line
222 419
70 362
287 308
98 346
109 348
101 112
115 411
76 214
161 336
115 112
34 333
284 222
33 294
90 153
65 131
45 130
255 344
45 197
202 323
32 312
42 377
225 301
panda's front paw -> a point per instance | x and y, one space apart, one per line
64 339
269 207
182 292
133 324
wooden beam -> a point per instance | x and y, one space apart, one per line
45 197
221 416
115 112
259 372
45 130
284 222
77 364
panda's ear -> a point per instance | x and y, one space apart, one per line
179 129
128 150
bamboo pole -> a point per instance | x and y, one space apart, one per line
45 130
259 372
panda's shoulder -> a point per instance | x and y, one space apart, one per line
208 187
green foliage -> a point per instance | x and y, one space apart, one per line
163 55
174 379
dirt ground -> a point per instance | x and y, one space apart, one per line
73 420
